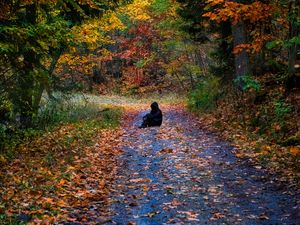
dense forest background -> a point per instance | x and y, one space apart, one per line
237 60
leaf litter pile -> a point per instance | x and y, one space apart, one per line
175 174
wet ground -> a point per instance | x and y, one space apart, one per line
180 174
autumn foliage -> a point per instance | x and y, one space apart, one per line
235 62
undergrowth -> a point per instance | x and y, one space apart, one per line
203 97
83 114
42 159
264 123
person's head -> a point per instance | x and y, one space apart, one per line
154 106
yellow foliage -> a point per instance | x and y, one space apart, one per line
90 34
266 149
93 31
82 63
110 21
137 10
2 159
104 53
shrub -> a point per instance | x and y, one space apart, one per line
203 97
3 135
74 109
248 82
64 109
281 109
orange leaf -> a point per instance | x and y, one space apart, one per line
294 150
62 182
62 203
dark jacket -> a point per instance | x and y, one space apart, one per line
155 116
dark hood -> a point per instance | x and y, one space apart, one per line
154 106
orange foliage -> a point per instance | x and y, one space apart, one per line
258 14
133 76
255 12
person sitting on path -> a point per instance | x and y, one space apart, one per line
154 118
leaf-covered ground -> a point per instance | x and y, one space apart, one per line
175 174
67 167
180 174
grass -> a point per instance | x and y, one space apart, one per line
171 98
13 220
84 114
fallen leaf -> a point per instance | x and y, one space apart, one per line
166 150
218 216
263 217
294 150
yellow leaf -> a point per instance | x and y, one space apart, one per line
266 148
2 159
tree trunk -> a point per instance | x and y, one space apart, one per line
25 101
26 80
293 32
180 81
241 59
292 80
192 80
37 96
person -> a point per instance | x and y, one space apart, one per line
154 118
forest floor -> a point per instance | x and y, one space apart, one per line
181 174
178 173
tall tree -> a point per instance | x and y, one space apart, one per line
294 34
33 34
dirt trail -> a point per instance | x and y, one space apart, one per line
181 174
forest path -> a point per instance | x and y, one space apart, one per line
181 174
